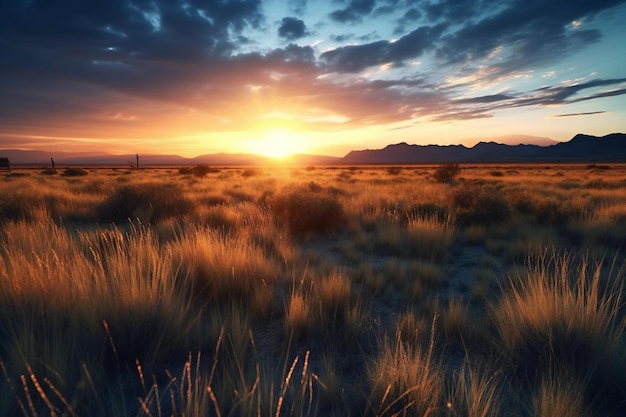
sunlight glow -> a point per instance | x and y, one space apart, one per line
278 143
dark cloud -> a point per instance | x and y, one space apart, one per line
159 50
554 95
344 37
130 61
485 99
298 6
292 28
547 96
293 53
455 11
355 58
354 12
533 32
410 17
150 29
589 113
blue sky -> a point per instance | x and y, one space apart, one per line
325 76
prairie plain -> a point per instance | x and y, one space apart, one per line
322 290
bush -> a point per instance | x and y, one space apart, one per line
49 171
148 202
202 170
308 209
74 172
185 170
475 205
250 172
447 173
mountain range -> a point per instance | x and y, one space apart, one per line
581 148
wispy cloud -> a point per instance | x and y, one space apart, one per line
589 113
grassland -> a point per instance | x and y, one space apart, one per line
282 291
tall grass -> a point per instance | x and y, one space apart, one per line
221 267
311 292
476 392
566 315
405 379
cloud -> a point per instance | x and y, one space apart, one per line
457 10
410 17
354 12
298 6
355 58
486 106
590 113
199 64
484 99
531 33
292 28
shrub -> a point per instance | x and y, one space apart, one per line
250 172
394 170
475 205
557 212
74 172
202 170
308 209
49 171
447 173
148 202
185 170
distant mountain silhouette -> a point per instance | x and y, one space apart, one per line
17 156
581 148
513 140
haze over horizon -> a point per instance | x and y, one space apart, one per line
271 77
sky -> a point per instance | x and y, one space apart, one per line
323 77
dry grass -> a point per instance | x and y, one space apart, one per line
405 379
312 292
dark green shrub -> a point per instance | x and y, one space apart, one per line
308 209
185 170
149 202
476 205
394 170
447 173
74 172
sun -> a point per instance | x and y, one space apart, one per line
279 143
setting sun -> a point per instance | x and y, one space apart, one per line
278 143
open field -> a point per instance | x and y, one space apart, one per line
303 291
